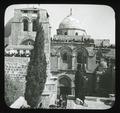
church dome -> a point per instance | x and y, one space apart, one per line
69 22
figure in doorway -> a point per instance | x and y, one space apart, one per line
63 101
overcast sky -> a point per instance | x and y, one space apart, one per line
97 20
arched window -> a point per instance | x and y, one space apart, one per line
64 57
34 28
65 33
25 25
82 56
29 43
76 33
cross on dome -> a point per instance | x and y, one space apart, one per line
69 22
70 11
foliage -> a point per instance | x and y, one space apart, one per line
105 84
36 73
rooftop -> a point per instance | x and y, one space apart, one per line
19 47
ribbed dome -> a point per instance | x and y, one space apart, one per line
69 22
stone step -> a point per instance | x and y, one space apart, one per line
19 103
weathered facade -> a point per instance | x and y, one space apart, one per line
70 46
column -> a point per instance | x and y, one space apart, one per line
73 91
58 90
72 87
59 60
73 61
55 86
30 26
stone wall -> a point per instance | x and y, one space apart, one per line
15 72
16 67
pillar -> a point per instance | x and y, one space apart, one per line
73 61
72 87
73 90
58 91
30 27
59 60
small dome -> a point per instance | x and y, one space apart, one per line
69 22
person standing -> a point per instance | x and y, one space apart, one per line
79 84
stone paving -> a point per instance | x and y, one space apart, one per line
95 104
91 104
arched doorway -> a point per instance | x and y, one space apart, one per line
64 86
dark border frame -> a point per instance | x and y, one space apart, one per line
4 4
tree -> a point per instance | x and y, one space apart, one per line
106 87
36 73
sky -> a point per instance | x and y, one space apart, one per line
97 20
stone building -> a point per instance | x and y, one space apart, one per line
23 25
70 46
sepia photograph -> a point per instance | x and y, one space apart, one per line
59 56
